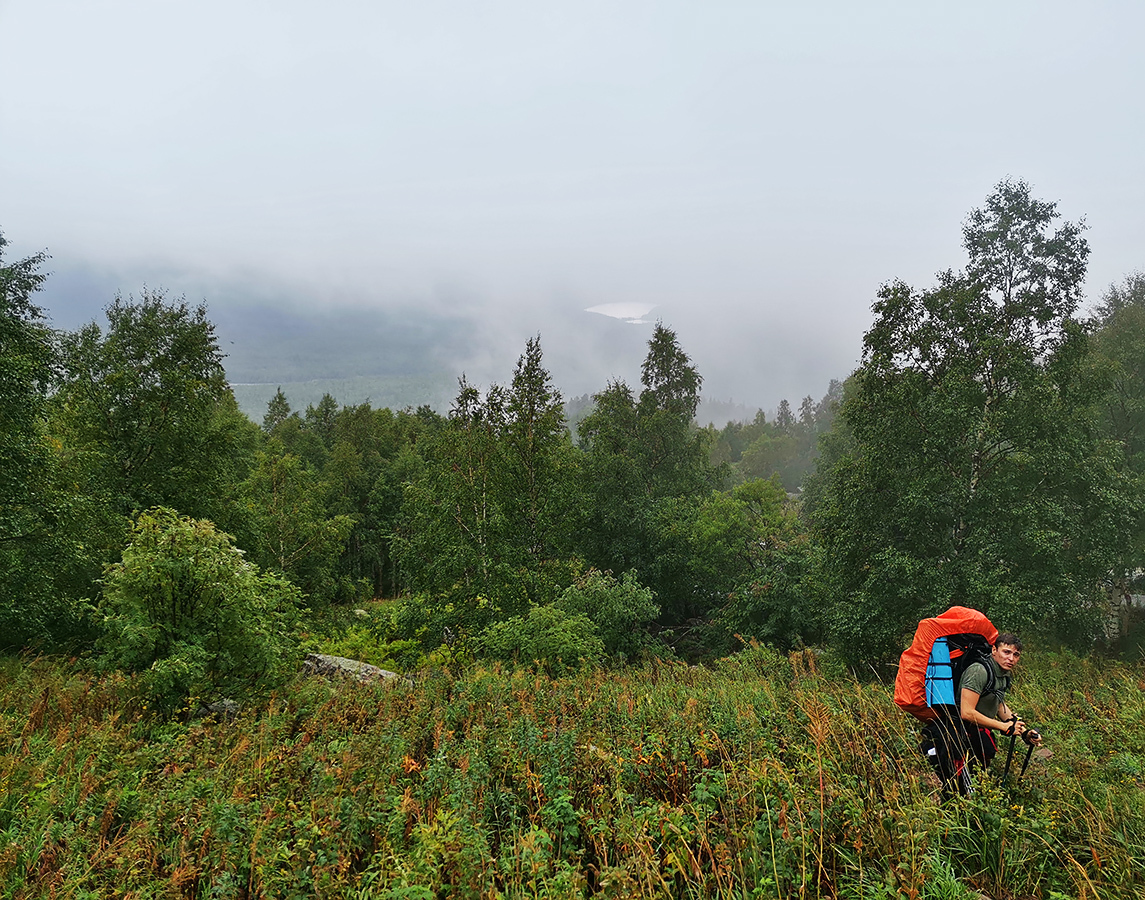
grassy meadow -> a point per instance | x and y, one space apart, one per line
761 776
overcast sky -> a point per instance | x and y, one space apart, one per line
755 170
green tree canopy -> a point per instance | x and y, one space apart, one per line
49 544
33 543
26 371
973 472
488 521
647 468
1119 360
149 403
289 529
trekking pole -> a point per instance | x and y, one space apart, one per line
1010 752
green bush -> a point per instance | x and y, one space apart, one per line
362 642
187 612
619 610
559 641
435 620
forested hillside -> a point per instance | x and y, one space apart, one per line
548 587
987 451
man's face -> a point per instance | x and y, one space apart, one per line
1006 656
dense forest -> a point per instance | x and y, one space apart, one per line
988 451
547 574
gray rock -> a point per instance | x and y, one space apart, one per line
340 667
223 710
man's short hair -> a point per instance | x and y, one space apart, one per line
1012 639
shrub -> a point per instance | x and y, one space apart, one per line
620 609
436 620
362 642
187 612
556 639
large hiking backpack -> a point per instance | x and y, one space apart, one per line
927 686
931 667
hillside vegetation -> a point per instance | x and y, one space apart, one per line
550 574
762 776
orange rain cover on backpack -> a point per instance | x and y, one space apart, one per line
910 683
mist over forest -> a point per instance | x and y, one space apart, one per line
411 352
987 392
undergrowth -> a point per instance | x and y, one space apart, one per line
759 777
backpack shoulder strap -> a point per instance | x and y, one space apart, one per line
991 678
973 654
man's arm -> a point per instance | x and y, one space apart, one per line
969 712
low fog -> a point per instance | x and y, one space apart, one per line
379 189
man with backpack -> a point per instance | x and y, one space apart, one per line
954 677
982 700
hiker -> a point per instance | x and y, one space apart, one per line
954 677
982 700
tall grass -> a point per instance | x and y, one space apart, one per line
760 777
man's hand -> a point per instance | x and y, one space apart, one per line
1024 731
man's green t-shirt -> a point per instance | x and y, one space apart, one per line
974 679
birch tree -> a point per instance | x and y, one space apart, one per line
973 471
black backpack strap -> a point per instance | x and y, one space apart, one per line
991 680
975 649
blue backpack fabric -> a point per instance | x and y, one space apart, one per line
949 658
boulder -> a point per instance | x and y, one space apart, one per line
340 667
223 710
